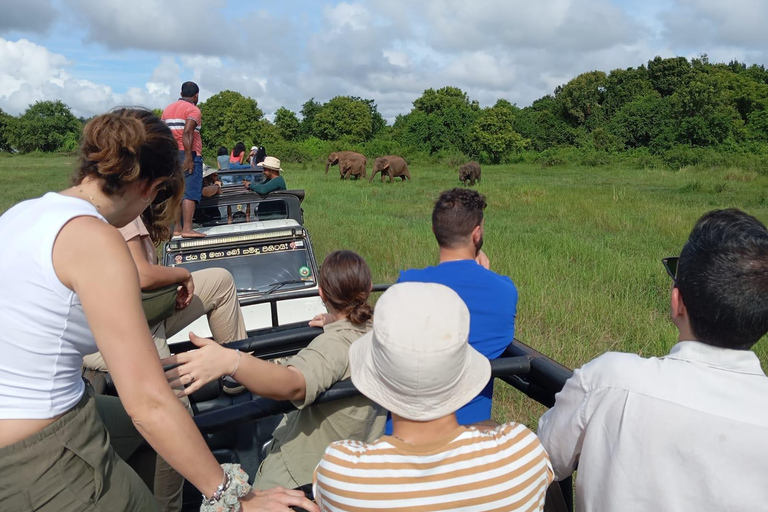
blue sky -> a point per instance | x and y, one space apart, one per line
96 54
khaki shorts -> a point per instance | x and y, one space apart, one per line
69 466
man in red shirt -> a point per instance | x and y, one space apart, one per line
184 119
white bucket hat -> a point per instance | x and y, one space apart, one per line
207 171
416 362
272 163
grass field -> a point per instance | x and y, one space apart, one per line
583 245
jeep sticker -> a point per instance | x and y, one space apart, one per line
305 272
239 251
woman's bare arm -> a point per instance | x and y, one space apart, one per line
154 276
91 258
213 361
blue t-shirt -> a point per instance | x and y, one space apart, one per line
492 302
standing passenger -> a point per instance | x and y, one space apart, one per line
184 119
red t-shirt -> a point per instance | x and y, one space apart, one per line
175 116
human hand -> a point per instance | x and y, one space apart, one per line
246 184
276 500
321 320
199 367
483 260
188 166
185 293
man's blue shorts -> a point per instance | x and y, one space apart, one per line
193 183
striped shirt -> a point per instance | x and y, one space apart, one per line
175 116
471 470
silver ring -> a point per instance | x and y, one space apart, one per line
191 378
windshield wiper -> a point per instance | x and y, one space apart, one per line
273 287
277 286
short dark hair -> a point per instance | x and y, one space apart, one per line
223 151
457 212
189 89
723 279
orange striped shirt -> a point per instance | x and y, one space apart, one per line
504 469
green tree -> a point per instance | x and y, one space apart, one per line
669 75
344 117
440 120
229 117
287 123
544 125
308 112
492 138
6 120
582 97
45 126
623 86
703 113
645 121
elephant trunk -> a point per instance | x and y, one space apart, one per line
327 163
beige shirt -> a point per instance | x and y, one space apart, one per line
302 437
138 229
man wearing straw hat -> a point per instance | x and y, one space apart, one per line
418 364
272 178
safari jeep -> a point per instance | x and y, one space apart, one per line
261 241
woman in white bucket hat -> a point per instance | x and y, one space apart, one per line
417 363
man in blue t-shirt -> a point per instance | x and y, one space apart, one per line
457 222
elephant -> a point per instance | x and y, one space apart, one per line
391 165
350 163
469 172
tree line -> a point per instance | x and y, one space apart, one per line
665 107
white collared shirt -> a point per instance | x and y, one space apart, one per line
684 432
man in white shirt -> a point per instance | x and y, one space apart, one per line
687 431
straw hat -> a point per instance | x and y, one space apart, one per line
271 163
417 362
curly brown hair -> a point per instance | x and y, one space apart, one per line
346 281
129 145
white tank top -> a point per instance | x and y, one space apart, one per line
43 331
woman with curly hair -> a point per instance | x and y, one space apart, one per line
69 288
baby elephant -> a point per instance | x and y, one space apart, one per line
469 172
392 166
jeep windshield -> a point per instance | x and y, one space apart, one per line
257 268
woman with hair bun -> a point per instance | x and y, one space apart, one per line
69 288
300 440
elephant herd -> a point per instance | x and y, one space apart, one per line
353 164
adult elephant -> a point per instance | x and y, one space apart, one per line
350 163
391 165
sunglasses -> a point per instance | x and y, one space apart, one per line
670 264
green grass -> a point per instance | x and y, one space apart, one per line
583 245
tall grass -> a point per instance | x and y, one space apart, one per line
583 245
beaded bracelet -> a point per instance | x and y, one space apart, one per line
227 496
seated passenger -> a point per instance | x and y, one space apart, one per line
239 158
686 431
222 160
458 226
272 178
211 182
417 364
257 155
301 438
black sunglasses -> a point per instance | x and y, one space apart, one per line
670 264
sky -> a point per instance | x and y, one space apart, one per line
98 54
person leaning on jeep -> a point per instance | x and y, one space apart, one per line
273 179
